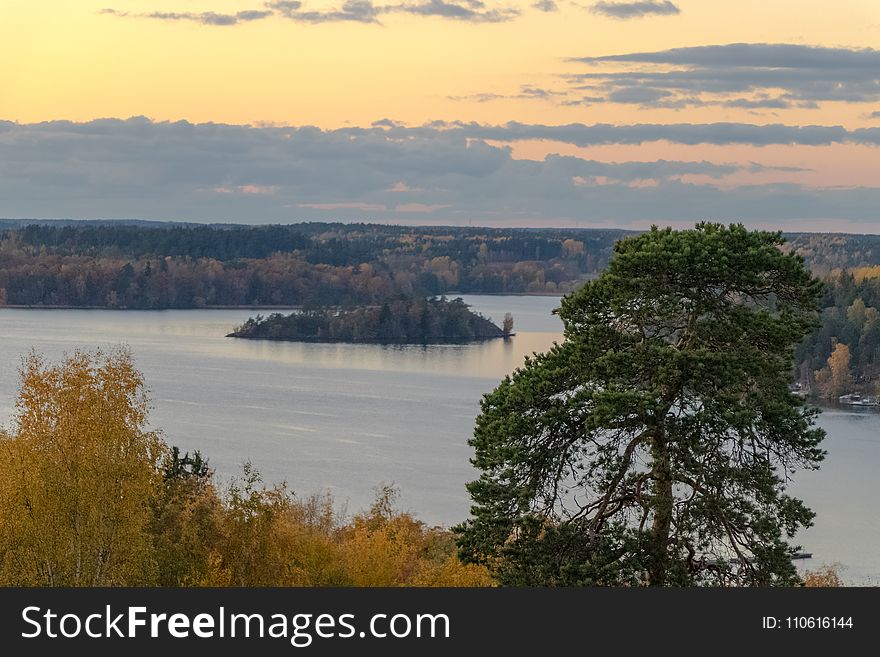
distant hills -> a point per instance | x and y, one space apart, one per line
145 223
151 264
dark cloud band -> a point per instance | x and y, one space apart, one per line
741 75
692 134
442 172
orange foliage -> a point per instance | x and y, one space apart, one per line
824 576
89 497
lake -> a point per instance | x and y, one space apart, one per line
348 418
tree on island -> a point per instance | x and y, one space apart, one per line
507 325
654 444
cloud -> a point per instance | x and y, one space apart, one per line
353 11
628 10
482 97
756 167
526 91
364 11
718 134
638 95
545 6
739 75
763 102
387 123
440 172
205 18
473 11
357 11
754 55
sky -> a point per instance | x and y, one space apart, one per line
473 112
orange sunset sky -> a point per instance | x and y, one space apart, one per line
426 111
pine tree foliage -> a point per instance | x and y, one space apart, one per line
653 445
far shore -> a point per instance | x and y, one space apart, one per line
262 307
62 307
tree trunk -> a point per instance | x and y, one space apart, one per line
662 503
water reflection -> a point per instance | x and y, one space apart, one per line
489 359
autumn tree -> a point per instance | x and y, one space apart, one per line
384 547
653 445
272 538
79 473
836 379
187 525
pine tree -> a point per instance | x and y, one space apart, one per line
653 445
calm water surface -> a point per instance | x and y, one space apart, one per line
346 418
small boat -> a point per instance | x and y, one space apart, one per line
856 399
799 390
736 561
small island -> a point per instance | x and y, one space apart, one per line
402 321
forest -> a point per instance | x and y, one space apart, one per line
415 321
193 266
842 355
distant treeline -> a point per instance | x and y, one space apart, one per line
828 253
415 321
154 265
188 266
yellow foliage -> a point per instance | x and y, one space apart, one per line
573 247
387 548
836 379
310 545
452 572
89 497
824 576
862 273
79 475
